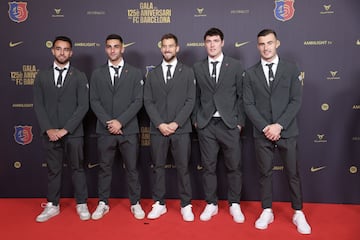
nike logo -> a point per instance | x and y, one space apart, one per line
128 44
198 167
315 169
237 44
90 165
14 44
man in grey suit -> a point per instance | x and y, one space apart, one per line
169 98
219 118
272 99
116 95
61 100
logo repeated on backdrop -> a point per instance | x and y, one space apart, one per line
15 44
239 11
57 13
320 138
316 169
333 76
23 134
317 42
353 169
358 42
284 10
200 12
26 77
240 44
325 106
327 10
18 11
147 13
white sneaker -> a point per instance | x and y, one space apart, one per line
157 210
49 212
300 222
100 211
187 214
235 211
83 211
265 219
209 211
137 211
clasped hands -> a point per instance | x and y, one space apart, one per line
114 127
167 129
56 134
273 131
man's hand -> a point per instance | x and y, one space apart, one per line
272 132
114 127
166 129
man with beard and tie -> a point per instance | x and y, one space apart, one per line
116 96
169 98
61 100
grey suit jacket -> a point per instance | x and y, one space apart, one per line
225 96
170 102
280 105
63 107
122 101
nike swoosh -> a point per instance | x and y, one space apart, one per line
198 167
237 44
128 44
315 169
92 165
11 44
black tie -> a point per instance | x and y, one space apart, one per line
168 73
213 74
271 75
116 75
60 78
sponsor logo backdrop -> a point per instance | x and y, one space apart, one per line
322 37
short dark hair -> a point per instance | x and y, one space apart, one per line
169 36
214 32
62 38
266 32
114 36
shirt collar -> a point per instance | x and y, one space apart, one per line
275 61
120 64
66 66
219 59
172 63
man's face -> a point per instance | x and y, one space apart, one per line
114 50
169 49
62 52
213 46
267 46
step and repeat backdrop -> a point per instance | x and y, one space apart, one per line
322 37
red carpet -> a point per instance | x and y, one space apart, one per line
328 221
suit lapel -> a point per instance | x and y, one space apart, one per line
260 74
205 68
223 71
170 84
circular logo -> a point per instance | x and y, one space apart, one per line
48 44
17 164
353 169
325 107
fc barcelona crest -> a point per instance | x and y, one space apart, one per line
18 11
23 134
284 10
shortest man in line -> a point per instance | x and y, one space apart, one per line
61 100
116 96
169 98
272 98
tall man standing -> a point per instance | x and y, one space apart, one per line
169 99
272 98
116 95
219 118
61 100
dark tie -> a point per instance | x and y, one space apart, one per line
271 75
59 80
213 74
116 75
168 73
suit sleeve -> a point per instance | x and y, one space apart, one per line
249 104
197 99
39 104
183 115
137 101
95 102
149 104
295 100
240 101
82 104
